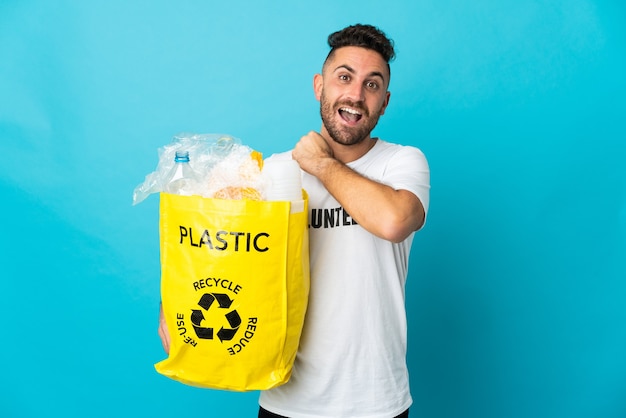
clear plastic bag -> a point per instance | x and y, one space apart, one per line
222 168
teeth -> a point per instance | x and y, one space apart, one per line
348 110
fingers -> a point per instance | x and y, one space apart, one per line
317 144
163 331
311 148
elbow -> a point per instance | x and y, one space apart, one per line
396 236
399 227
398 230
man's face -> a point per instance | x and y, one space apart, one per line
353 93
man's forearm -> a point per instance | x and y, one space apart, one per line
387 213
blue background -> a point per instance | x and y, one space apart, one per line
517 284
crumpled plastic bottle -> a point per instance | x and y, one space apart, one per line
219 163
182 179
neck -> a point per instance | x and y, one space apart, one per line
348 153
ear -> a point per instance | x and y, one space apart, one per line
385 103
318 84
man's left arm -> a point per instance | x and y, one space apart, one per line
382 210
385 212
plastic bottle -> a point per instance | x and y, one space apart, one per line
284 180
182 179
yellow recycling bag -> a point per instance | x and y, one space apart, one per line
234 288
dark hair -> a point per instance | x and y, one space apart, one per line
365 36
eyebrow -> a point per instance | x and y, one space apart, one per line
351 70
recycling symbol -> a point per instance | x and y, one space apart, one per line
223 302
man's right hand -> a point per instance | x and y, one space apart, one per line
163 331
311 152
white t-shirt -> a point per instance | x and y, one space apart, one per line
352 356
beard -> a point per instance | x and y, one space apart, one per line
340 133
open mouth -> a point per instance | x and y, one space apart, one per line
350 115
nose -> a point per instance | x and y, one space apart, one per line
355 92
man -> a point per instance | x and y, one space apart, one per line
367 197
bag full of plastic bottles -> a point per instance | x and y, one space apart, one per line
234 265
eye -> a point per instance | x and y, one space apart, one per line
372 85
344 77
